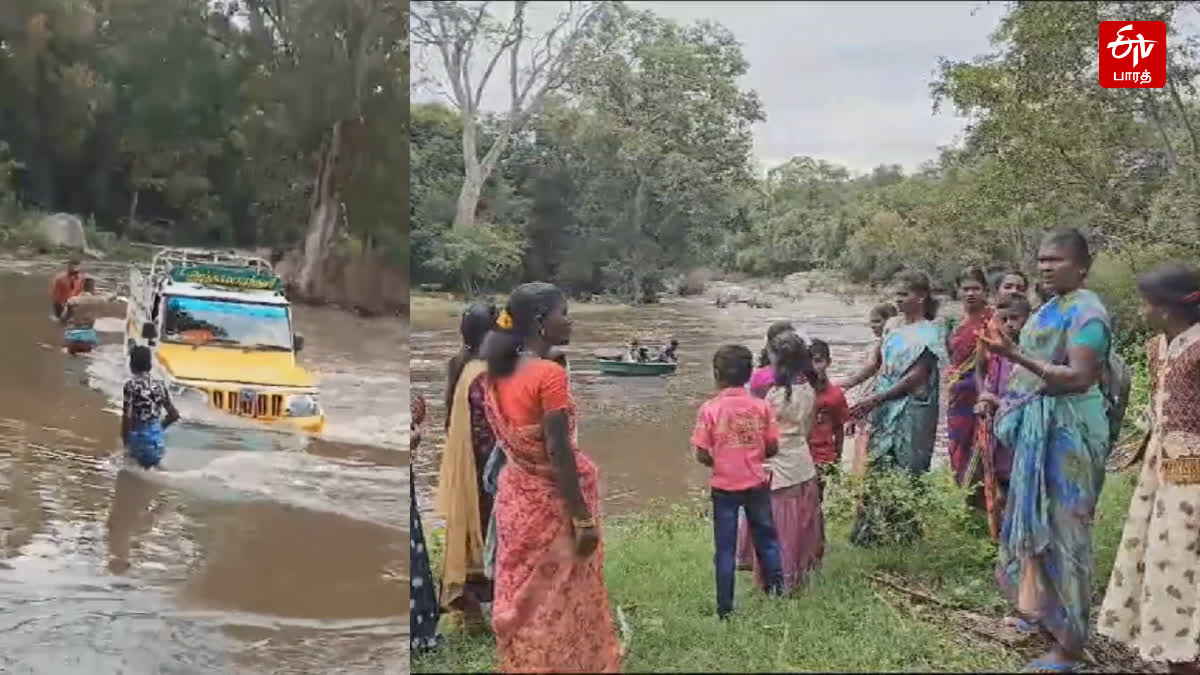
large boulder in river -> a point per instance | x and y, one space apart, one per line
63 230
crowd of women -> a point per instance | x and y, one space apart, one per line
1034 402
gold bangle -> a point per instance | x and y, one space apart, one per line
583 523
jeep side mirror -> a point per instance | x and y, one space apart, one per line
297 342
149 331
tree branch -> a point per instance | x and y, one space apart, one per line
1183 113
362 57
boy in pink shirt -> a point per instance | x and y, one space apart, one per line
735 434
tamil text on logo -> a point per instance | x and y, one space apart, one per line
1133 54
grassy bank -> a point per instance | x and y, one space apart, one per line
851 617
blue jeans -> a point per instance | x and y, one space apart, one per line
757 502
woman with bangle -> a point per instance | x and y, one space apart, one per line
1052 414
903 410
550 611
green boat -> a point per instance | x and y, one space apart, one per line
635 369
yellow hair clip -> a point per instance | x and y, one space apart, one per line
504 321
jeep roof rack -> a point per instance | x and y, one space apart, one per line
167 258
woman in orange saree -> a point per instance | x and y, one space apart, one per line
550 611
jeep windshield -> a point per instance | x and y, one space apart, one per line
247 325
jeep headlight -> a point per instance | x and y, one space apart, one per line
302 405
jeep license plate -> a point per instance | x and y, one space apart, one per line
249 401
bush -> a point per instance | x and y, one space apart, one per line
24 232
481 257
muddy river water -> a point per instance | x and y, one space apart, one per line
254 552
637 429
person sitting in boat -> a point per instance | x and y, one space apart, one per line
637 353
66 285
668 355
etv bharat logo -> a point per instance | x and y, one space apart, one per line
1133 54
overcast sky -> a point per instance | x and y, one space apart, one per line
847 82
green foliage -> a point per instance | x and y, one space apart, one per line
935 501
21 231
1114 278
1045 148
637 170
197 122
629 173
479 257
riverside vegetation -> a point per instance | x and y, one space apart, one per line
249 123
631 162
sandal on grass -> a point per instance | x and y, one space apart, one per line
1020 625
1024 626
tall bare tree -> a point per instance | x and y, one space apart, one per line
460 35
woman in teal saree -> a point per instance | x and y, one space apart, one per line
1053 416
903 410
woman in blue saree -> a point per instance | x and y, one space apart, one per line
903 410
1053 416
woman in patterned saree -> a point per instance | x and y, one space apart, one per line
963 374
461 499
1052 415
1153 597
422 596
903 410
550 612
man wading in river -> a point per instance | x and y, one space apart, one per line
80 317
66 285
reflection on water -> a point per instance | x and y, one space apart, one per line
637 429
253 552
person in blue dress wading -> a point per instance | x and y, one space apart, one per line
147 411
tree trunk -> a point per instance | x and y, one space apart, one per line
372 283
472 186
40 164
468 200
322 215
475 170
133 204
